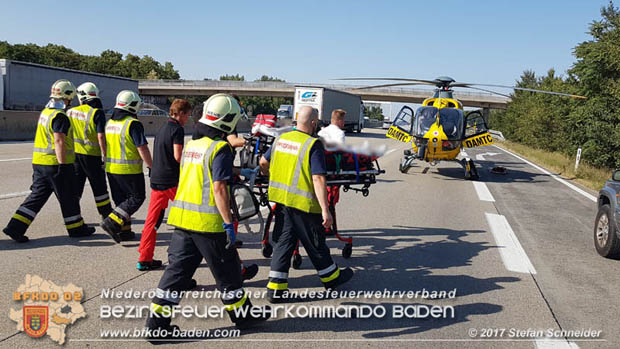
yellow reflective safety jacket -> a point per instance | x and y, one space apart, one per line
84 130
122 155
290 176
44 148
194 206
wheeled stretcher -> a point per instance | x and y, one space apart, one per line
351 171
358 180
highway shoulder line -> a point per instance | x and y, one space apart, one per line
514 257
554 176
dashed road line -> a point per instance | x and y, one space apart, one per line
18 159
556 177
549 343
514 257
483 191
14 195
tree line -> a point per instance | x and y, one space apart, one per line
108 62
563 124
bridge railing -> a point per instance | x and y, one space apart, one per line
291 86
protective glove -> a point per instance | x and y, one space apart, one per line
230 234
248 173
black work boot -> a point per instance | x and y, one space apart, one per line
149 265
127 235
249 316
83 231
281 296
21 238
112 228
345 275
249 272
159 328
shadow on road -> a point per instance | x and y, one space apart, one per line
396 259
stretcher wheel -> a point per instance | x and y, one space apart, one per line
365 192
345 189
297 261
347 250
267 250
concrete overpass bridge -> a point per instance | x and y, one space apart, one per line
285 89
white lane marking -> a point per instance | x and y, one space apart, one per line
464 154
19 159
14 195
483 191
480 157
555 343
556 177
389 152
510 249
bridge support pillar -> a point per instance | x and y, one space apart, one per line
486 112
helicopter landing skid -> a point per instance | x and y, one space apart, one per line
406 163
471 173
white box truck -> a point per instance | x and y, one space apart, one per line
325 100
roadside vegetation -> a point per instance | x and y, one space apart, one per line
549 129
108 62
587 175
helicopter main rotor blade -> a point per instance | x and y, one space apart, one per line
485 90
432 82
391 85
464 84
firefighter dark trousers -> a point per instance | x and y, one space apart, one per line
186 251
308 229
48 179
91 167
128 193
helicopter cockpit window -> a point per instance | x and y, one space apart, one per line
452 122
425 118
403 120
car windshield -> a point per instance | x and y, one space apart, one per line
144 112
283 113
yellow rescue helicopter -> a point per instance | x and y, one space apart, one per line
440 128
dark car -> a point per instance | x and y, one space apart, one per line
606 239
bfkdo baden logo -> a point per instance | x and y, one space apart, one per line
47 309
35 320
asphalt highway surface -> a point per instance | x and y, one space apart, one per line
514 254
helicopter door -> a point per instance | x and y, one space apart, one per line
401 127
476 131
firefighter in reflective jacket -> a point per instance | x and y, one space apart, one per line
296 168
203 220
52 164
88 124
126 149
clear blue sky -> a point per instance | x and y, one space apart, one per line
490 41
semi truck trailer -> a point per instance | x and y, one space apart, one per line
325 100
27 85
